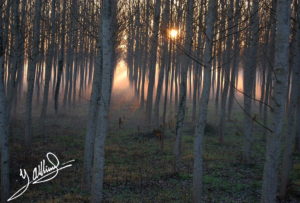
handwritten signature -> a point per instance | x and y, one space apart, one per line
42 173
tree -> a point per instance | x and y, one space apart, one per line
235 63
227 61
153 58
280 78
92 119
164 63
31 71
201 123
107 30
249 79
3 125
49 61
293 107
61 57
183 84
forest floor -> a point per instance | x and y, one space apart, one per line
137 169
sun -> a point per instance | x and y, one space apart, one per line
173 33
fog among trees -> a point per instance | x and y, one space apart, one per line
156 101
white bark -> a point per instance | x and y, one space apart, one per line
92 122
104 103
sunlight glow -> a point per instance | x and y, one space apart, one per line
173 33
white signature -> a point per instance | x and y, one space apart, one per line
42 173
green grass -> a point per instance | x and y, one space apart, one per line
136 169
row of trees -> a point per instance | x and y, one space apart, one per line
51 50
47 56
216 40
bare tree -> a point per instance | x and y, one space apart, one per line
227 62
201 123
92 120
280 78
153 58
61 57
289 135
31 71
249 79
183 84
164 63
3 124
107 29
49 60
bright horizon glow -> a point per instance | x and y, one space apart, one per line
173 33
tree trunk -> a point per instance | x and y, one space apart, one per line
153 57
3 127
61 59
201 123
236 59
270 175
227 61
106 37
289 137
164 63
92 122
183 84
249 80
49 61
198 67
31 72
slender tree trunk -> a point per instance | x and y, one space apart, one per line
201 123
270 175
92 122
31 73
153 57
226 73
16 58
145 51
61 59
183 84
164 63
249 80
198 67
108 12
167 85
236 59
49 61
297 131
289 137
176 78
5 184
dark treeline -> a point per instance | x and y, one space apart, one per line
183 57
